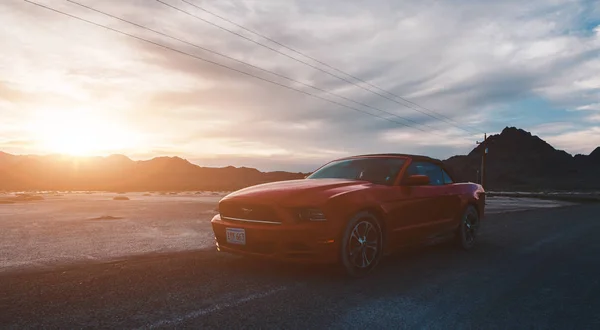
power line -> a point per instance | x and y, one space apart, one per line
219 64
316 60
244 63
304 62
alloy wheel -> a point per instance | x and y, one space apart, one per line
363 244
470 227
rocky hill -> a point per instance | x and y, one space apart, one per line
518 160
119 173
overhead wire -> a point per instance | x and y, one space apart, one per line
319 61
220 65
299 60
245 63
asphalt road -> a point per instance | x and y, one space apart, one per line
536 269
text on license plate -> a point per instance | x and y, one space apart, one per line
236 236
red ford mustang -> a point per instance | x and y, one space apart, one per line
352 211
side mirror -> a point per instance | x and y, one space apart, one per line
417 180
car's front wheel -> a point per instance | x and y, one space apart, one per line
468 229
362 245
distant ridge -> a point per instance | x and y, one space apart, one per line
119 173
595 156
517 160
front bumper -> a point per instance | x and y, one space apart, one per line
298 242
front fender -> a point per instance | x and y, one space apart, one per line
475 196
347 204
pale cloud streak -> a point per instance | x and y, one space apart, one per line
593 107
583 141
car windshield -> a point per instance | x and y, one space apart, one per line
374 170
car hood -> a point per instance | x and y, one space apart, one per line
311 191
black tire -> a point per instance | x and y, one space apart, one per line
468 228
362 245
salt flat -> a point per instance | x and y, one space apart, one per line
64 228
82 226
514 204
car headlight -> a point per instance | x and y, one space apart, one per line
311 215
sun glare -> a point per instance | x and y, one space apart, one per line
80 133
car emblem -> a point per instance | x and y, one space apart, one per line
246 210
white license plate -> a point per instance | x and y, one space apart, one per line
236 236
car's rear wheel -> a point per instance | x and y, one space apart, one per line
362 245
468 229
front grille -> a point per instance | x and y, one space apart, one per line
252 245
257 247
265 248
247 211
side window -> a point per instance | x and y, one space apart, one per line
434 172
415 168
447 179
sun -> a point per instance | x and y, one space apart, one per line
80 133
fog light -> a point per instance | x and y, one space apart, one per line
312 215
328 241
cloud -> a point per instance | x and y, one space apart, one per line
594 107
17 143
18 146
472 61
9 93
583 141
594 118
552 128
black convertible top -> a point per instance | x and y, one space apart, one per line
415 157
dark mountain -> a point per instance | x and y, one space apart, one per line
119 173
518 160
595 156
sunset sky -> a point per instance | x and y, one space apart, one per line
70 87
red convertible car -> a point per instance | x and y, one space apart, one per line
351 211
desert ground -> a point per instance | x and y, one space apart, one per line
66 227
535 266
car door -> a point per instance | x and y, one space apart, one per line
450 203
414 209
439 199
